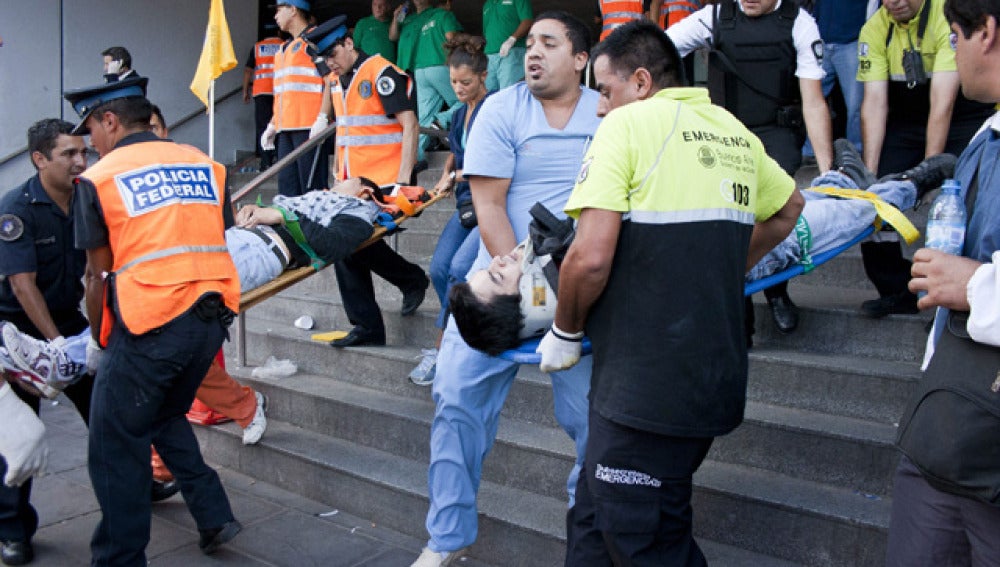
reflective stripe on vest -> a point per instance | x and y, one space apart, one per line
298 88
673 11
369 143
617 12
263 72
162 203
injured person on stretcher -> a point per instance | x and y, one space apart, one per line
324 225
515 297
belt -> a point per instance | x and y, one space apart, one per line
272 240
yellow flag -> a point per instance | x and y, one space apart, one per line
217 55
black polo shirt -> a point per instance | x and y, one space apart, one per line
399 91
36 236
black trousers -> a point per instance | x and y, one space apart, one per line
145 384
902 149
354 277
294 179
18 518
263 109
633 499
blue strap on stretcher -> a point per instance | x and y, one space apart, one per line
525 353
798 269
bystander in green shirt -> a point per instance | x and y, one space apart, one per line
371 35
500 20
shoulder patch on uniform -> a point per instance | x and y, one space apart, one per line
862 49
365 89
11 227
584 170
385 86
817 47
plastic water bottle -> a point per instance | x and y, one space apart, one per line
946 221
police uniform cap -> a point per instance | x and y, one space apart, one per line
300 4
327 33
85 100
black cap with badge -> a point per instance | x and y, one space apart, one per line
85 100
326 34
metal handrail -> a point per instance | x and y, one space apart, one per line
295 154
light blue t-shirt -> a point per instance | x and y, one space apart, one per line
511 139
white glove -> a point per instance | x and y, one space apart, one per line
506 45
94 355
322 121
114 67
267 138
560 350
23 441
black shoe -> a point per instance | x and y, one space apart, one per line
213 538
902 303
784 313
413 298
359 336
17 553
930 173
848 161
163 490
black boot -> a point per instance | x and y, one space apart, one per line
930 173
784 313
886 267
848 161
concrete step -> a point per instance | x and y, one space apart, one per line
795 520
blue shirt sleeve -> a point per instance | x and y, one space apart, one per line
17 256
491 146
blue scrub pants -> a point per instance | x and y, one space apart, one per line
144 386
469 391
503 72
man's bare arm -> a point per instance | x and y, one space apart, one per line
33 303
585 270
411 138
767 234
99 262
817 117
944 91
489 196
874 112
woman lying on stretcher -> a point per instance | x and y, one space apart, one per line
515 297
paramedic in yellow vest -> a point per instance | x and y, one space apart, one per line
617 12
298 101
375 107
258 84
160 292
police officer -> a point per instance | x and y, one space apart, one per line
912 109
160 290
376 138
614 13
41 292
259 72
766 68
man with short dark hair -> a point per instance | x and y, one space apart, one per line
161 290
117 64
525 148
944 495
681 239
41 293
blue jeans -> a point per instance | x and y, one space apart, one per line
840 62
456 250
469 391
832 222
255 263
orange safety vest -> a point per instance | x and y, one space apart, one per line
162 205
673 11
617 12
369 143
263 70
298 88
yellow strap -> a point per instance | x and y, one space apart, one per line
885 211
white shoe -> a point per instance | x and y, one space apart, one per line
254 431
45 359
431 558
423 374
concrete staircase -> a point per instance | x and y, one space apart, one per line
806 480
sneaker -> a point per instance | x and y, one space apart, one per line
430 558
848 161
253 432
45 359
930 173
423 374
